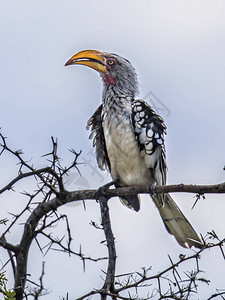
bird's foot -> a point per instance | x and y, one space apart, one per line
151 188
102 190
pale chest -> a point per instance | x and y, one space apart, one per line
127 163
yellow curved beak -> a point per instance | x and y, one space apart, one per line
91 58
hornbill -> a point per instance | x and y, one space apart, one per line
129 139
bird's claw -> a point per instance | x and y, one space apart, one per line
151 188
102 190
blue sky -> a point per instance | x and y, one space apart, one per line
178 50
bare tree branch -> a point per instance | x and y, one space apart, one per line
51 194
64 197
110 240
134 190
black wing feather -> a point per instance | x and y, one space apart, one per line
149 129
95 122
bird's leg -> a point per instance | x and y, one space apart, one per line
151 188
160 197
102 190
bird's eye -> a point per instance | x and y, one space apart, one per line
111 62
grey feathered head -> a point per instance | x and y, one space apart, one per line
115 70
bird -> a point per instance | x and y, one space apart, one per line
129 139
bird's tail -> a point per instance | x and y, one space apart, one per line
175 222
132 202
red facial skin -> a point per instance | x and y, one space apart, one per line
108 79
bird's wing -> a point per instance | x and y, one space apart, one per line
95 123
149 129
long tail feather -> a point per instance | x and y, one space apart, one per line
175 222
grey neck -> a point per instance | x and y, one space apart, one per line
112 93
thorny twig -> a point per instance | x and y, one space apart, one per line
39 289
50 182
108 285
179 288
52 195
